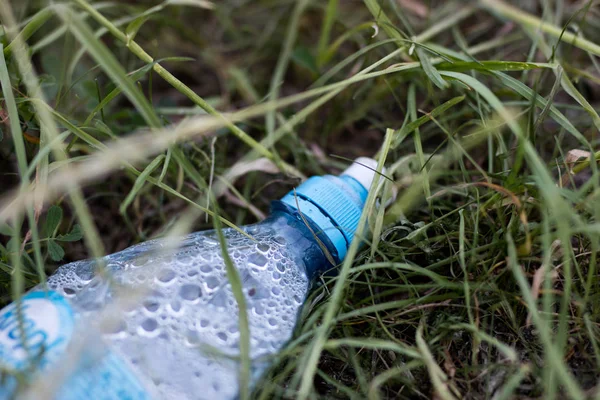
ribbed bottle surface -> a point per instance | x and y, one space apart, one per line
337 203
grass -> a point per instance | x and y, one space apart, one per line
479 280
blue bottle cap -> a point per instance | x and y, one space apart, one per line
334 204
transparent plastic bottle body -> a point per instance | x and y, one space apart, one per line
182 339
172 330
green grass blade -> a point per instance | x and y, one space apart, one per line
283 62
237 289
556 362
310 365
36 22
109 64
328 21
530 21
140 181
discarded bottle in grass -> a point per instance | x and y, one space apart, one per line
164 325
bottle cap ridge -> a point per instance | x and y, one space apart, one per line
334 204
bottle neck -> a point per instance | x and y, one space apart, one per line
333 205
312 249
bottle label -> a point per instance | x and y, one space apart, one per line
37 336
47 326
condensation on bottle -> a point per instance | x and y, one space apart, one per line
156 322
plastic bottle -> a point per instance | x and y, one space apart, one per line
177 336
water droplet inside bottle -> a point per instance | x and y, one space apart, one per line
151 305
149 325
219 299
205 268
212 282
184 259
141 277
257 259
259 308
141 261
84 274
165 275
192 338
175 305
263 247
190 292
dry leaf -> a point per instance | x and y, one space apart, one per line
573 157
242 168
414 6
